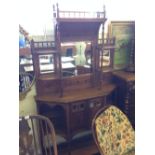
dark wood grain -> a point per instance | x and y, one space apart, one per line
126 93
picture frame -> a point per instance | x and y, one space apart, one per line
124 33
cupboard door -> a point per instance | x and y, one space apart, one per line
94 106
78 117
55 113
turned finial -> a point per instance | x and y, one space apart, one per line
57 6
53 7
54 12
104 10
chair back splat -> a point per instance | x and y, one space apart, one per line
36 136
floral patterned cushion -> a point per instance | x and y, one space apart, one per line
115 133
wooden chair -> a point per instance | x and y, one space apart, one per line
36 136
112 132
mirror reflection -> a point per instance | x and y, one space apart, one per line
46 63
75 53
106 58
78 56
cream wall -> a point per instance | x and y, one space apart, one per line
28 105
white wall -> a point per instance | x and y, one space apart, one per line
36 15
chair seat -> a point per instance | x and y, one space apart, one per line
114 133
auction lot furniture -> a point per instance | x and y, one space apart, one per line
72 101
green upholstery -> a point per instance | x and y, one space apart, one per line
114 133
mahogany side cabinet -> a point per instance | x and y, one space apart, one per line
126 93
74 112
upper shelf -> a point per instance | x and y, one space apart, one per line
78 31
78 25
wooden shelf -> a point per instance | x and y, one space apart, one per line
44 52
75 96
127 76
